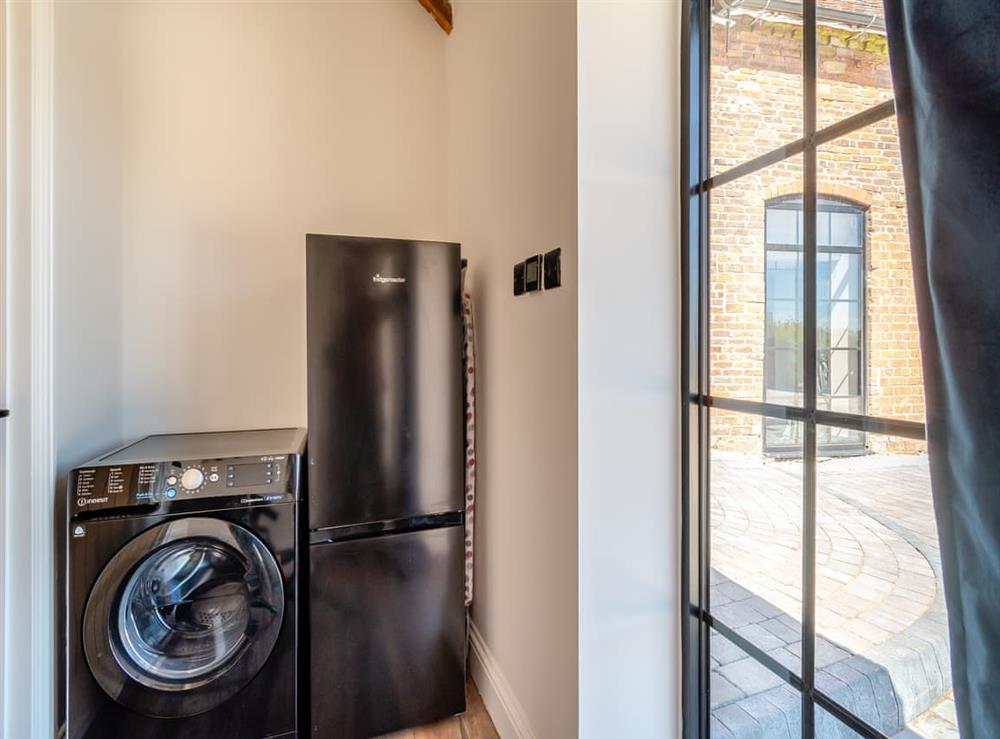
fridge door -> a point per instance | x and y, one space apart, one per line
388 632
384 378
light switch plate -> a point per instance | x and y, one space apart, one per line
553 269
519 278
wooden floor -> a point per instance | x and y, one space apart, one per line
475 723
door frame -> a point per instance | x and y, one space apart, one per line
4 537
27 445
697 401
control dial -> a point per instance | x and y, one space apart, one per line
192 479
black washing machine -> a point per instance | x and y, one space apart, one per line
181 588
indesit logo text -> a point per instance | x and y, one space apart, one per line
383 280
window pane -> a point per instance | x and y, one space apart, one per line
744 276
822 281
748 701
880 607
839 320
823 228
782 226
881 318
756 534
838 442
784 276
844 322
783 323
829 726
844 229
845 275
852 58
845 372
756 78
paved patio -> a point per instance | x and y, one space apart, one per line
882 648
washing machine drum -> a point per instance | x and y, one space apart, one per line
183 617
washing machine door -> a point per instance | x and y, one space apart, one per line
183 616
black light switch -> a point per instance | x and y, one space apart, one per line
519 278
553 269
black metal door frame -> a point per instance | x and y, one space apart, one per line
697 181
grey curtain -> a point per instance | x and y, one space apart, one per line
945 58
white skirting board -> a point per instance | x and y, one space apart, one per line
501 703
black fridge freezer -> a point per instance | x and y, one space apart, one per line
387 626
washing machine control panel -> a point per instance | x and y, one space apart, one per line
264 479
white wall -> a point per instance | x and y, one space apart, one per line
87 315
87 267
629 359
512 193
247 125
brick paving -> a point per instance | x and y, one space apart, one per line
882 648
938 723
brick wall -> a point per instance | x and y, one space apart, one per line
757 106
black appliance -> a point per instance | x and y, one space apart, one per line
181 588
385 495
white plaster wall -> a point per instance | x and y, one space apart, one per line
245 126
512 193
629 60
87 197
87 311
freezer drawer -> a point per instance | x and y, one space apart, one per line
388 632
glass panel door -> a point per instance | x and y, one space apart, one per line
812 604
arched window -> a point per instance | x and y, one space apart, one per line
840 317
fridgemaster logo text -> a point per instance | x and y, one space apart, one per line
380 278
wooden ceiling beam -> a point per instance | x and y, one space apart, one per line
441 10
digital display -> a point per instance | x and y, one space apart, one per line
239 475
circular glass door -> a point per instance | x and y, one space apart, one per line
183 616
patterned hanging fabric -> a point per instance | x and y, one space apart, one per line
469 385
